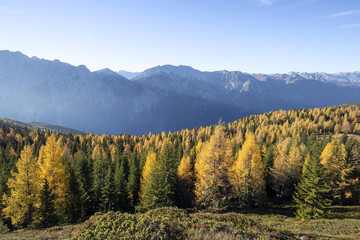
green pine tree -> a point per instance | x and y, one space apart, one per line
311 196
101 165
107 192
47 212
81 168
121 201
73 202
160 188
133 184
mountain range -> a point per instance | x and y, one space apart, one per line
163 98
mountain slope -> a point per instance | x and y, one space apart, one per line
163 98
36 125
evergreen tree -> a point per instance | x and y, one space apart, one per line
107 192
82 179
311 195
133 184
73 202
160 188
120 183
101 166
47 211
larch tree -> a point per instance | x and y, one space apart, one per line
279 171
294 162
186 182
287 168
4 175
23 199
247 174
150 164
52 167
337 170
212 187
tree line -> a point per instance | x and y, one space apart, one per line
309 156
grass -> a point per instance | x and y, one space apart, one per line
341 222
272 222
57 232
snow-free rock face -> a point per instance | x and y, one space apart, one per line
159 99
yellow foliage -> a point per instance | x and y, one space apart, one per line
333 158
53 168
247 173
211 168
185 172
287 167
24 188
150 164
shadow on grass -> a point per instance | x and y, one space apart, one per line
344 212
281 210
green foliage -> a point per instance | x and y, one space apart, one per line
3 227
133 184
160 188
164 223
120 182
107 192
101 166
311 193
81 184
47 212
170 223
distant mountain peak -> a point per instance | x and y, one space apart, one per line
106 71
163 98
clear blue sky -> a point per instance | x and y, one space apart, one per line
248 35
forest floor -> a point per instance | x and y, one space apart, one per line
341 223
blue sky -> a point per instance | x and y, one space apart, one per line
253 36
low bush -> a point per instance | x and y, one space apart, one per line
171 223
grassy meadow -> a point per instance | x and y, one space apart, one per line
272 222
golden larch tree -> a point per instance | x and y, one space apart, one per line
24 185
337 170
212 164
150 164
247 173
53 168
185 181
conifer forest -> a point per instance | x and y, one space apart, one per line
307 157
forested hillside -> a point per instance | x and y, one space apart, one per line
309 155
